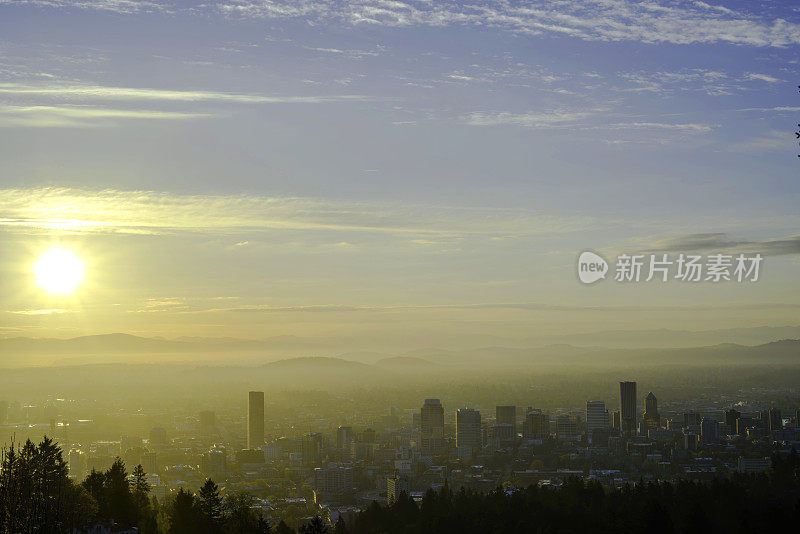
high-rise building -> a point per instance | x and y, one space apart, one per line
691 419
628 409
567 428
709 430
507 415
215 463
395 485
651 418
775 419
616 422
731 416
255 419
536 425
596 418
333 480
468 432
431 430
311 449
344 436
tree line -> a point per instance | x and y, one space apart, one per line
38 497
741 503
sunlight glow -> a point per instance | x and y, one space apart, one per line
59 271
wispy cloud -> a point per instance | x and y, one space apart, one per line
115 6
147 212
81 116
680 22
575 119
537 120
100 92
676 22
720 241
763 77
51 311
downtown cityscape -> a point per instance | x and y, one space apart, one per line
332 466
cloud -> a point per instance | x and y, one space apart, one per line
115 6
763 77
770 141
683 127
680 22
677 22
146 212
52 311
525 306
101 92
81 116
538 120
720 241
573 119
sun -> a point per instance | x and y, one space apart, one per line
59 271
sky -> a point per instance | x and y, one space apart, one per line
383 168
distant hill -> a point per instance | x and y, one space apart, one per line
315 370
405 363
126 348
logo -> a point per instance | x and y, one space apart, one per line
591 267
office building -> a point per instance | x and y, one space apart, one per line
431 431
395 485
651 417
709 430
596 418
536 425
628 408
468 432
332 481
567 428
507 415
731 417
344 436
775 419
255 419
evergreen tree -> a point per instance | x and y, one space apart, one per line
183 514
315 526
240 518
283 528
209 503
145 512
121 505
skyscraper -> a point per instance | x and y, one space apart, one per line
344 436
536 425
468 432
775 419
731 416
651 418
507 415
628 409
709 430
255 419
431 430
596 418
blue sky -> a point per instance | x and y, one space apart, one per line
393 154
